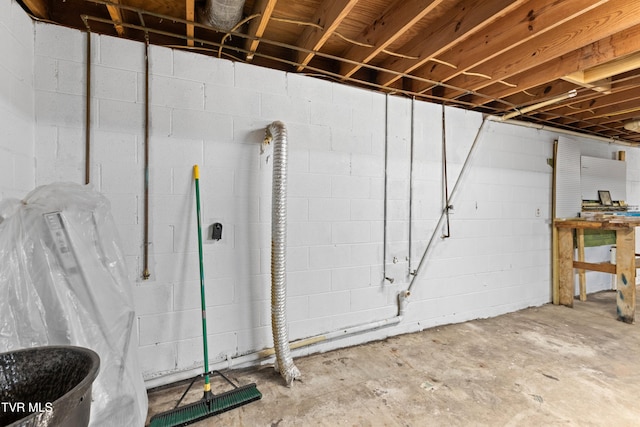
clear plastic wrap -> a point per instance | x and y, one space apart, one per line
63 281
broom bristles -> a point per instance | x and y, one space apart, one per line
205 408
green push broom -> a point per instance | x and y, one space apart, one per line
210 404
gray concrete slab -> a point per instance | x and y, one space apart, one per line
550 365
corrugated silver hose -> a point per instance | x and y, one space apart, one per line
277 132
221 14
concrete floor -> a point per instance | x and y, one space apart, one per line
541 366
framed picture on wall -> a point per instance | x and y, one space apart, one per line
605 197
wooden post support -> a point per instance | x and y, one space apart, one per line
555 286
582 275
626 274
565 266
555 283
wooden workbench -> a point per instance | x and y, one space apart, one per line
624 268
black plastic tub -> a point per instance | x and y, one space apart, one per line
47 386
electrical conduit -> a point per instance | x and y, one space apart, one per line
277 133
282 347
444 212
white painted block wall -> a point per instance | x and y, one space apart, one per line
17 158
213 112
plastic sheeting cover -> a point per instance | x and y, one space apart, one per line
63 281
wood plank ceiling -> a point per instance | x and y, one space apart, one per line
572 64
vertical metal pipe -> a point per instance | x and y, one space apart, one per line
413 101
145 273
87 159
445 177
442 214
386 179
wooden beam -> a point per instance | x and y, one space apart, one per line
582 276
565 267
620 104
38 8
601 51
555 286
603 86
603 267
626 274
608 69
385 30
116 16
264 10
457 24
329 16
519 33
604 21
190 15
589 104
547 90
598 78
624 96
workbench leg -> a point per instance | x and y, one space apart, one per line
555 284
582 275
565 266
626 274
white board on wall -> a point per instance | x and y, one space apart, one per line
602 174
567 176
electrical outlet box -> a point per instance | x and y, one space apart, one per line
216 231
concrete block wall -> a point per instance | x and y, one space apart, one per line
17 158
349 163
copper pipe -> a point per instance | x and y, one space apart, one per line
411 161
145 272
445 176
328 74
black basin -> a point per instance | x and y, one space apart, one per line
47 386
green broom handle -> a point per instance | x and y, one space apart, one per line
207 384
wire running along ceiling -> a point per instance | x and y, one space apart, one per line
497 57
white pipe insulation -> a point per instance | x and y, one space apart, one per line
277 133
221 14
559 130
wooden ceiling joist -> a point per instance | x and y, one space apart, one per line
519 33
38 8
598 77
262 9
190 15
594 54
591 108
458 24
490 56
329 16
592 105
384 31
603 21
116 16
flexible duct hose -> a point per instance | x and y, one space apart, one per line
277 132
222 14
